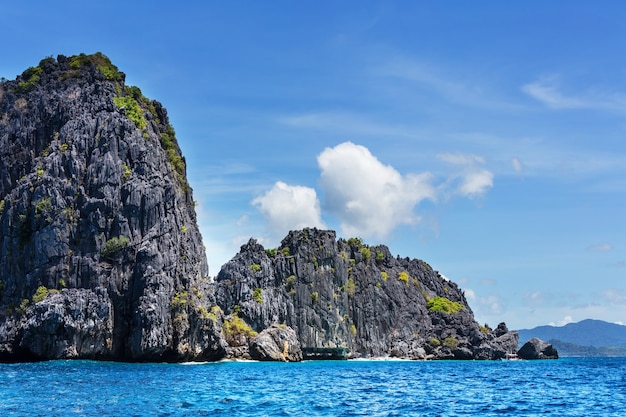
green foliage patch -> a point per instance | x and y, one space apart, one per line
43 205
235 328
132 109
451 342
101 61
180 299
41 293
404 277
351 286
113 246
30 78
257 294
367 254
444 305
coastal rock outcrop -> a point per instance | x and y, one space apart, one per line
343 294
100 253
537 349
276 343
101 256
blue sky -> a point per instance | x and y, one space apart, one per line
486 138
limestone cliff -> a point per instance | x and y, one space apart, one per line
101 257
99 246
345 294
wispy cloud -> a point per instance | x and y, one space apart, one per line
466 91
547 91
603 247
471 180
615 296
534 298
517 165
348 123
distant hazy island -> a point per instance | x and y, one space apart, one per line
585 338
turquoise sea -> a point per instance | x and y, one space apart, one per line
565 387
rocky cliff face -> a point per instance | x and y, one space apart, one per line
100 254
99 246
344 294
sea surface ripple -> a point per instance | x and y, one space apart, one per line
565 387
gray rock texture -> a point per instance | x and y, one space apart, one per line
344 294
276 343
101 257
94 203
537 349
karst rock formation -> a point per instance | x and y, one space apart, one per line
101 256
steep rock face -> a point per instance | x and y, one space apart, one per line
344 294
96 212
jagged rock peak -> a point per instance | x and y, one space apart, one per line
345 295
95 211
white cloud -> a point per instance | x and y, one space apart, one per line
566 320
615 296
471 180
369 198
289 207
547 92
517 165
604 247
470 295
534 298
492 304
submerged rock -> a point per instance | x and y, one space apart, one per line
537 349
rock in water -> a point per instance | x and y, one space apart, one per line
100 253
101 257
345 295
276 343
537 349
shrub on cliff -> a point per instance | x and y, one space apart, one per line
113 246
444 305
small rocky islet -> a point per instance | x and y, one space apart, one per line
101 256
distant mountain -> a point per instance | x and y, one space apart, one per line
586 333
571 349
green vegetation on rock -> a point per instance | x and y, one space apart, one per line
257 294
451 342
30 79
404 277
113 246
235 328
40 294
444 305
132 110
